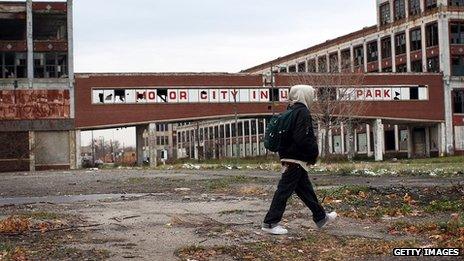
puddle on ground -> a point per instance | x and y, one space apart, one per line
65 199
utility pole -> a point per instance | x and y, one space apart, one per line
93 150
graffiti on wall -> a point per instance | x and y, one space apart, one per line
34 104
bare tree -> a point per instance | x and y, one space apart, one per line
337 101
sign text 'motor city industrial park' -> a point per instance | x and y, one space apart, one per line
145 95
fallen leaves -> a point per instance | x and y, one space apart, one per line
14 224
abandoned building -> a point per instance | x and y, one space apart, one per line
411 36
412 64
37 128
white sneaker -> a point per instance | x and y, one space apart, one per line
277 230
329 218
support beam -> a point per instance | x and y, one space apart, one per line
152 145
397 138
342 138
32 147
30 43
378 139
258 149
368 140
442 139
140 143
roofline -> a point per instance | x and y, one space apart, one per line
113 74
325 44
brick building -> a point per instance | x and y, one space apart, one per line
412 37
36 86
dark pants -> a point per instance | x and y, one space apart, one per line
294 179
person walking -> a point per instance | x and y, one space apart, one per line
298 151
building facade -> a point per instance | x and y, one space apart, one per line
411 36
36 86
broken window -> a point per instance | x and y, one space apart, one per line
50 27
458 101
401 68
431 33
416 39
399 9
312 65
302 67
163 95
13 65
358 55
333 62
433 64
385 13
416 66
372 52
430 4
400 43
50 65
346 59
386 47
414 7
322 64
120 96
456 2
457 65
283 70
457 33
12 29
292 69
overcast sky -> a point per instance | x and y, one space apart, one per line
203 35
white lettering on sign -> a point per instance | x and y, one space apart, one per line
249 95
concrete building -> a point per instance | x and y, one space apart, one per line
411 36
37 86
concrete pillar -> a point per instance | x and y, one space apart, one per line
408 49
32 147
140 143
424 48
342 138
170 140
356 149
444 45
204 142
317 64
195 144
410 142
378 140
349 136
379 52
365 55
397 138
352 58
368 140
214 141
244 154
30 43
427 142
442 139
339 57
70 7
152 145
258 148
231 140
75 161
393 52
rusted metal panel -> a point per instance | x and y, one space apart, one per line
13 46
34 104
49 6
47 46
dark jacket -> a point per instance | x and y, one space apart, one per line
300 143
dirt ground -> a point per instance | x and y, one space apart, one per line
216 215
